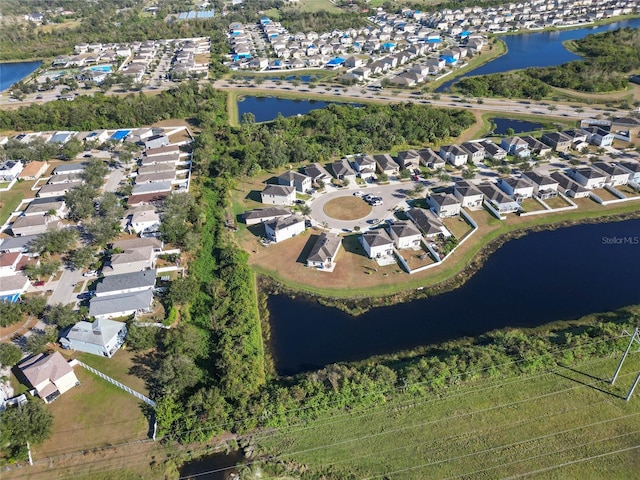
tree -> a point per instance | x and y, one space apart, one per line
182 291
30 422
510 132
405 173
62 316
94 173
55 241
443 176
468 174
72 148
10 354
417 189
304 209
34 305
37 343
82 257
10 313
80 201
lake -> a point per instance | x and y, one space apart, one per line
540 278
541 49
11 73
519 126
266 109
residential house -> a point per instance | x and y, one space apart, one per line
578 138
33 225
153 187
544 187
317 173
468 194
125 283
475 151
599 136
568 187
386 165
10 263
168 158
49 375
103 337
65 178
405 234
343 171
12 286
632 167
278 195
33 170
365 165
493 151
409 160
516 146
430 159
156 141
116 306
559 141
444 204
131 260
282 228
454 155
427 222
536 146
54 206
156 168
615 174
57 189
324 251
377 243
497 199
161 151
301 182
518 188
156 177
146 219
16 244
70 168
261 215
10 170
588 177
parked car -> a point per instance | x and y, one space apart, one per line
39 283
90 273
358 193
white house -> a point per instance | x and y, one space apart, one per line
9 263
427 222
405 234
146 220
131 260
588 177
386 164
516 146
377 243
365 165
543 186
103 337
634 170
261 215
454 155
444 204
323 253
518 188
278 195
283 228
301 182
13 285
33 225
598 136
50 375
615 174
468 194
430 159
498 200
156 141
475 151
568 187
9 170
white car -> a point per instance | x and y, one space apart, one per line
358 193
90 273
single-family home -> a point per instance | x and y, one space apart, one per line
498 199
54 206
428 222
156 168
475 151
518 188
70 168
468 194
559 141
365 165
161 151
103 337
324 251
282 228
156 141
544 187
10 263
430 159
49 375
16 244
153 187
386 165
146 219
116 306
261 215
568 187
588 177
578 137
133 259
57 189
343 171
98 136
33 170
125 283
65 178
62 137
405 234
632 167
171 158
516 146
317 173
615 174
164 176
454 155
493 151
536 146
377 243
33 225
598 136
409 160
301 182
444 204
10 170
278 195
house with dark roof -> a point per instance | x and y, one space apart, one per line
324 251
261 215
405 234
475 151
578 137
558 141
343 171
615 174
377 243
409 160
588 177
500 201
427 222
454 155
387 165
282 228
518 188
299 181
103 337
365 165
536 146
278 195
632 167
544 187
122 305
516 146
317 172
49 375
125 283
568 187
431 159
444 204
598 136
468 194
493 151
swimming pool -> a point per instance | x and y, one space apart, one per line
101 68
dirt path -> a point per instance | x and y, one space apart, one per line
7 333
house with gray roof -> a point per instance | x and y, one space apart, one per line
131 260
116 306
405 234
126 283
615 174
518 188
155 187
324 251
493 151
536 146
17 244
431 159
468 194
168 159
282 228
409 160
444 204
365 165
301 182
70 168
156 177
598 136
558 141
317 172
343 171
633 168
103 337
427 222
33 225
261 215
42 206
57 189
454 155
516 146
377 243
49 375
386 164
568 187
543 186
475 151
588 177
278 195
499 200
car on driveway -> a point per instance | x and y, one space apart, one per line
90 273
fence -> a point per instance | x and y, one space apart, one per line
138 395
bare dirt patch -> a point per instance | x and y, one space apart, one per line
347 208
557 202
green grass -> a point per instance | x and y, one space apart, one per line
489 429
316 6
11 199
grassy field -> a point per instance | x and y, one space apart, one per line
566 423
347 208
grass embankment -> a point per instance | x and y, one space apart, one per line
564 423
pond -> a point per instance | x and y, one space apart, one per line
541 49
518 126
540 278
11 73
218 466
266 109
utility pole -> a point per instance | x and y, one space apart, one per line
635 337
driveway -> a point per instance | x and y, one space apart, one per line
113 180
393 195
63 292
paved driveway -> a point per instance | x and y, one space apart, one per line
63 292
392 195
113 180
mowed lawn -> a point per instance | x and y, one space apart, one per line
93 414
564 423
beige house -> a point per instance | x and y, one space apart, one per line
50 375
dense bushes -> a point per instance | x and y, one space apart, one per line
510 85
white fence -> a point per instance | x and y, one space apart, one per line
138 395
